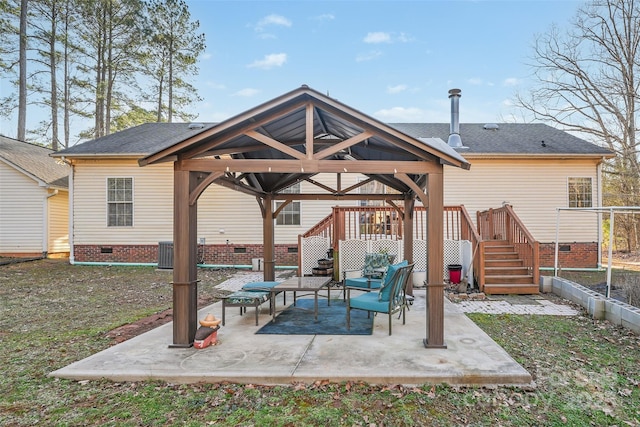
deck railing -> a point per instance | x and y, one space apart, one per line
504 224
382 222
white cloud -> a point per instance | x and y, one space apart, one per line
404 38
511 81
325 17
401 114
368 56
247 92
206 56
384 37
377 37
269 61
396 88
273 19
476 81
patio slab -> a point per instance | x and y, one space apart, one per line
241 356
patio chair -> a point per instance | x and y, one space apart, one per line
390 299
375 265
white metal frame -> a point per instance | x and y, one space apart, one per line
611 210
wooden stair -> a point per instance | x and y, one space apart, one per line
504 271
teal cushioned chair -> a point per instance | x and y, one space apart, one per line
389 299
375 265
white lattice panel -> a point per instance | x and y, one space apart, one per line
420 255
452 255
351 254
393 247
312 249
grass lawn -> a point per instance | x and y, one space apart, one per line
586 372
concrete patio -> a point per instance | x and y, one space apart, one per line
242 356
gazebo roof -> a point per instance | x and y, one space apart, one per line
275 133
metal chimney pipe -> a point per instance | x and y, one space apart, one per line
454 133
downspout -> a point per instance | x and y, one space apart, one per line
45 222
71 216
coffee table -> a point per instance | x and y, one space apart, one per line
300 284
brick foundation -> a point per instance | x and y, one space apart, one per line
570 255
207 254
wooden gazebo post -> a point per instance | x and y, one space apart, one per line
185 273
268 240
407 225
435 260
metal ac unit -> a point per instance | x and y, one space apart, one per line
165 255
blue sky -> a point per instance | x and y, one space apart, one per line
393 60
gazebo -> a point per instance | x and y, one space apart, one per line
289 139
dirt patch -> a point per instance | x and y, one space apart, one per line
130 330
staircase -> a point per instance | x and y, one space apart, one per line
505 272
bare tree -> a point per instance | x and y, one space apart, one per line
588 81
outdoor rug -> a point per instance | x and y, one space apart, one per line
332 320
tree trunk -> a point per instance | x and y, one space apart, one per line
54 85
170 83
22 80
160 89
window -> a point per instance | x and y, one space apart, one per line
119 202
290 215
580 193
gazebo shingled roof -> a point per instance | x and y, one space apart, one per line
287 140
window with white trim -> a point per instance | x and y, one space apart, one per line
119 202
580 192
290 214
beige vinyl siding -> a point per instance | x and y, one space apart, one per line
535 188
21 212
59 223
152 202
223 214
239 216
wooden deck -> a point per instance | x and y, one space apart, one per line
505 254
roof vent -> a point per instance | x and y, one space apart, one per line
491 126
196 125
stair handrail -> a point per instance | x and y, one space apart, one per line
504 224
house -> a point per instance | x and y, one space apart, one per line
122 212
34 201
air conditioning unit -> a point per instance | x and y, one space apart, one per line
165 255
